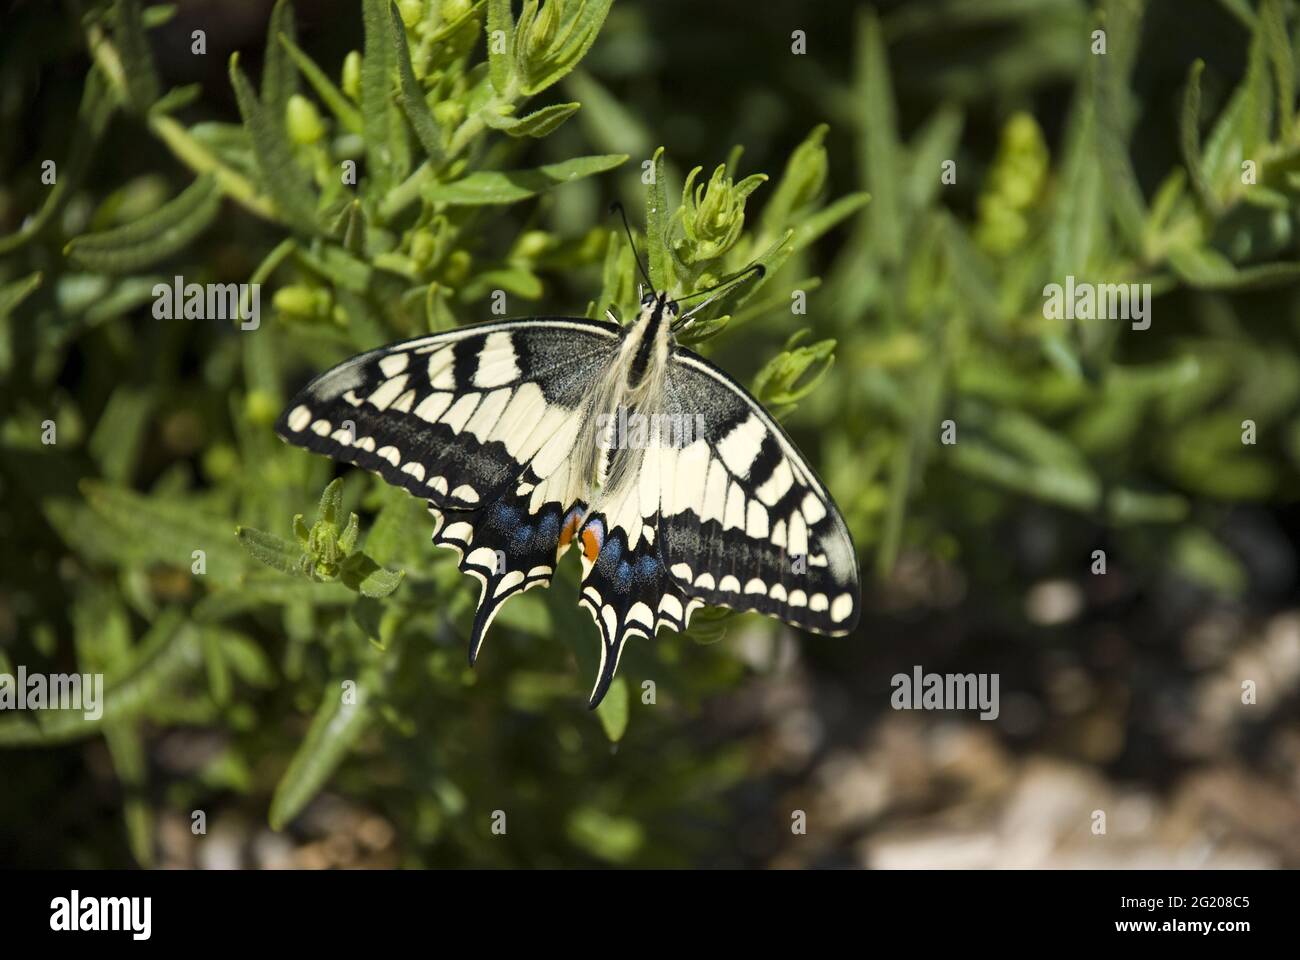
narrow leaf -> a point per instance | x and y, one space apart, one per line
137 62
412 99
537 124
493 187
286 182
159 234
500 44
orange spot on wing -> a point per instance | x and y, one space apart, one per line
590 545
570 528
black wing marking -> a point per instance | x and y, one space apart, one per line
462 419
625 587
744 521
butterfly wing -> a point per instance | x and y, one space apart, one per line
744 521
479 421
725 511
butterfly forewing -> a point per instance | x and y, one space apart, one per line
479 422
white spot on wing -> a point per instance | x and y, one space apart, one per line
497 364
735 513
394 363
432 406
387 392
775 486
465 494
842 607
739 448
486 416
813 508
460 412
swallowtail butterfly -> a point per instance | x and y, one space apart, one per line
527 437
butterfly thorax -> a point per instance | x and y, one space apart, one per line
628 405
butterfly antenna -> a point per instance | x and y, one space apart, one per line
617 207
718 289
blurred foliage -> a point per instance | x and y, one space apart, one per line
392 190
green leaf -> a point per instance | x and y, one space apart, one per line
167 651
1206 269
936 141
784 380
12 294
412 99
368 578
607 122
126 747
500 44
342 108
285 181
1190 135
137 62
95 111
499 187
120 433
1066 484
1199 556
657 218
375 69
572 39
538 124
164 531
154 236
813 227
1273 25
279 76
613 710
275 552
879 147
335 729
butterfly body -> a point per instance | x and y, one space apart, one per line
529 437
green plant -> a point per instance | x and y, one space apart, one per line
382 189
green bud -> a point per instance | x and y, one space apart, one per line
713 214
294 300
410 11
452 10
220 461
449 113
801 184
352 75
303 120
532 243
541 32
1015 184
261 408
457 269
422 248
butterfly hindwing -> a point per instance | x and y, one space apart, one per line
744 522
478 422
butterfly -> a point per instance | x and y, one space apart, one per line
531 436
